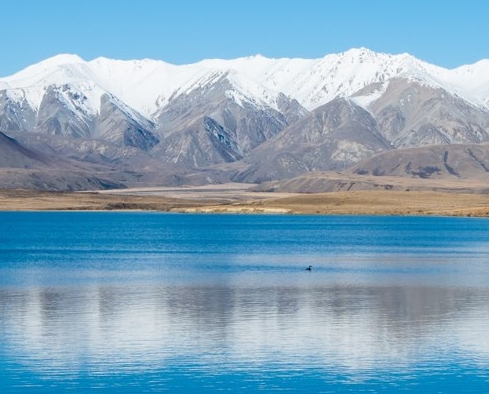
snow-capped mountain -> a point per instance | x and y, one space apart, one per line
273 116
148 85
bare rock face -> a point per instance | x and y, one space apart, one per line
124 127
60 113
16 113
410 114
332 137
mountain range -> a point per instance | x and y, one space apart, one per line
71 124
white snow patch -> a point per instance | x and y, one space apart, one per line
366 100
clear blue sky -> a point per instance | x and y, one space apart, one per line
448 33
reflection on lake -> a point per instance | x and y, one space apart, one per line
358 322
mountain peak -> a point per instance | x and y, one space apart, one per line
360 51
36 72
61 60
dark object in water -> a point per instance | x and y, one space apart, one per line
309 268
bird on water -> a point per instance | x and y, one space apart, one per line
309 268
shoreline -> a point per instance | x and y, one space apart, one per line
220 199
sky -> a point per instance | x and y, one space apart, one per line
448 33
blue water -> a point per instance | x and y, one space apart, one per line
148 302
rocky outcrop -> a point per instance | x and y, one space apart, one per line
60 114
332 137
122 126
15 112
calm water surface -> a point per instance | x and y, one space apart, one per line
145 302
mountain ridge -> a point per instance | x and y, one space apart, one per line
340 75
250 119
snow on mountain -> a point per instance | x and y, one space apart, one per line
65 72
364 100
148 85
145 85
340 75
314 82
471 81
57 69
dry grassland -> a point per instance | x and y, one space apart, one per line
240 201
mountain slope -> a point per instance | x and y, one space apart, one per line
24 167
333 136
15 155
248 119
412 114
122 126
457 167
219 122
469 161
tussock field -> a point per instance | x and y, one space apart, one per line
385 203
240 200
29 200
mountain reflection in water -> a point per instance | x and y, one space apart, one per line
149 326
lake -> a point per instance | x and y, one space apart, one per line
152 302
